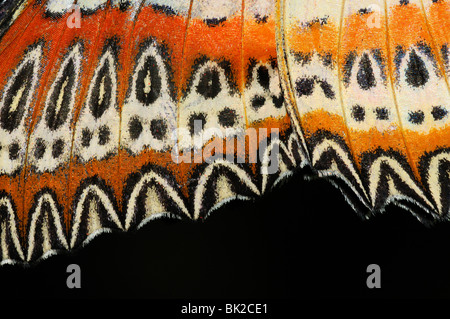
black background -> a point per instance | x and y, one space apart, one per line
300 241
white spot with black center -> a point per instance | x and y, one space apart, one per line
163 108
64 132
255 89
18 136
315 69
418 99
196 103
378 96
109 118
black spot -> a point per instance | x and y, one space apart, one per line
214 22
56 115
263 77
358 113
278 101
416 117
14 151
416 72
135 128
196 117
227 117
39 149
304 86
261 19
100 103
438 112
315 21
86 136
364 11
103 135
124 5
10 119
365 76
327 89
258 101
149 71
58 148
382 113
404 2
209 85
158 127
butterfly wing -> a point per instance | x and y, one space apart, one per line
368 84
113 113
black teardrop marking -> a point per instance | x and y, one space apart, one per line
365 76
416 117
209 85
10 118
59 103
148 93
227 117
263 77
304 86
358 113
438 112
158 127
416 72
99 103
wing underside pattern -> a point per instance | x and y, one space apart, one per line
113 113
147 109
368 90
